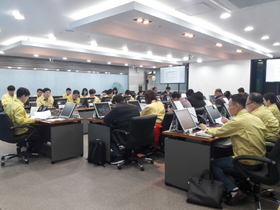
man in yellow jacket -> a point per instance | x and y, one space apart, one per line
46 99
8 97
247 135
74 98
16 112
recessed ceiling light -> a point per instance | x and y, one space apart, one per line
88 71
109 62
265 37
142 20
17 15
189 35
9 67
141 66
126 64
89 61
1 52
170 65
57 69
19 67
249 28
149 52
35 55
51 37
97 72
146 21
46 69
154 67
121 73
219 44
77 70
64 58
69 70
35 69
199 60
185 58
169 56
276 44
93 43
239 51
124 48
225 15
93 72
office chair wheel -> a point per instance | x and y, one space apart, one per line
152 162
26 161
119 167
2 164
142 168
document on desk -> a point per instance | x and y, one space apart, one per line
43 115
55 119
219 121
203 134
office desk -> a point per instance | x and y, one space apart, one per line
98 130
66 138
85 113
185 156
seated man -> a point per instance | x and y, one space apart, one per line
127 93
219 98
247 135
68 93
8 97
46 99
109 93
74 98
120 118
16 112
92 95
176 96
242 92
39 93
164 93
255 106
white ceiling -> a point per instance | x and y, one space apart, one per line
110 23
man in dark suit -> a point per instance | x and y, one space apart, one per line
120 117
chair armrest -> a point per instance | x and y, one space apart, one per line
22 126
271 140
241 168
120 131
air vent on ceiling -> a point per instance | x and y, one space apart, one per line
238 4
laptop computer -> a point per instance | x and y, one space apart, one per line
185 119
136 103
101 109
66 112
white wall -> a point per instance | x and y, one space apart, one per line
227 75
136 78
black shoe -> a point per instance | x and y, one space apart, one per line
117 160
233 200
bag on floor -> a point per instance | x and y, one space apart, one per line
96 152
205 192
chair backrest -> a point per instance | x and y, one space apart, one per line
168 117
141 131
6 131
1 106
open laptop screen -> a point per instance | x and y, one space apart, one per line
136 103
185 119
101 109
59 102
213 113
88 102
68 110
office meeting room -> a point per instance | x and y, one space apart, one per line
139 104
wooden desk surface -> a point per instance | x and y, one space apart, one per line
62 121
95 120
186 135
85 109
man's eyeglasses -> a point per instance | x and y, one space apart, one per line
249 103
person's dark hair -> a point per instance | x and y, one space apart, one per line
198 95
92 91
127 92
241 90
115 90
256 97
140 91
227 94
219 90
175 95
68 89
109 91
104 91
237 98
118 99
168 88
154 88
39 89
46 89
272 97
84 89
76 92
11 88
189 92
150 96
22 91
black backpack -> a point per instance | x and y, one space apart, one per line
96 152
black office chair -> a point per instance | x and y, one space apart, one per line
1 107
165 125
269 175
140 133
7 134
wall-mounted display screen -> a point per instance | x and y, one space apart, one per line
172 75
272 70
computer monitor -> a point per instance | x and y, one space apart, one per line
30 99
88 102
166 97
212 113
106 99
183 95
101 109
59 102
141 99
225 100
68 109
278 98
193 114
185 119
126 98
225 109
158 96
136 103
54 97
176 104
212 98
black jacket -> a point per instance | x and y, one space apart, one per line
121 115
196 100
